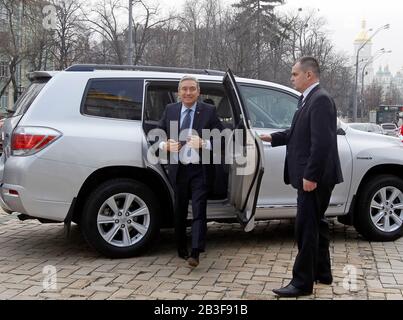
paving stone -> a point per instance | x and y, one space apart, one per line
390 296
235 266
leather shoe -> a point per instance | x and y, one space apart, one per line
325 280
193 261
291 291
183 253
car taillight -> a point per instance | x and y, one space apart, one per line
26 141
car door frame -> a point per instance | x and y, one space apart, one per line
246 209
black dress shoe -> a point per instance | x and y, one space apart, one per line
291 291
183 253
194 258
193 261
325 280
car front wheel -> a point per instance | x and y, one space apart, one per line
380 209
120 218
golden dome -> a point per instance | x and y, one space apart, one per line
363 35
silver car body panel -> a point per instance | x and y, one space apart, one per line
48 181
277 199
370 150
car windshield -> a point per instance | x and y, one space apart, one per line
389 126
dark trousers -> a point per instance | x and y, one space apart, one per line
190 184
312 235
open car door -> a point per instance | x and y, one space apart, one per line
246 151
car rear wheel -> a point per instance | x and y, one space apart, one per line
120 218
380 209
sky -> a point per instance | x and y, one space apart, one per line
344 19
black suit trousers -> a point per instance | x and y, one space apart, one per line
190 184
312 235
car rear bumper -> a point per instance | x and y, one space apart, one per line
39 188
37 208
3 205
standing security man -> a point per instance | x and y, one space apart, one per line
190 179
312 167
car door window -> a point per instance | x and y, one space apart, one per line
157 99
160 93
114 98
269 108
25 101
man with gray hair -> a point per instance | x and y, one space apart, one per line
312 166
190 180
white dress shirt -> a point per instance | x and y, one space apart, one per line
182 118
308 91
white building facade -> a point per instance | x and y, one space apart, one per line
365 65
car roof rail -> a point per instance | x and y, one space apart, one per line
93 67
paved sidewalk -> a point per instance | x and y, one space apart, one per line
237 265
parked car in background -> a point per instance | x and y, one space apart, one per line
76 148
367 127
390 129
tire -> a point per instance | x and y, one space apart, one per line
379 220
114 231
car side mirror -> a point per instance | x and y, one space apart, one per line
341 132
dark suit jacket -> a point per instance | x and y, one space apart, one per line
205 117
311 141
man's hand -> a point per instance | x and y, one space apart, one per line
172 146
195 142
309 186
265 137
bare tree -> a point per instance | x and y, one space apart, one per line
164 48
307 35
104 20
107 19
373 96
205 29
191 20
258 15
38 39
250 38
11 43
145 22
70 36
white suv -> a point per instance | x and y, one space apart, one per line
75 150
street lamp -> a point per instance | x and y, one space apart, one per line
370 60
355 100
130 46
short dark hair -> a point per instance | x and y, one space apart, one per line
311 64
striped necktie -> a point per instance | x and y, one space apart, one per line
186 122
186 125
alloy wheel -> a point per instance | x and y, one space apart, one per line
123 219
387 209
